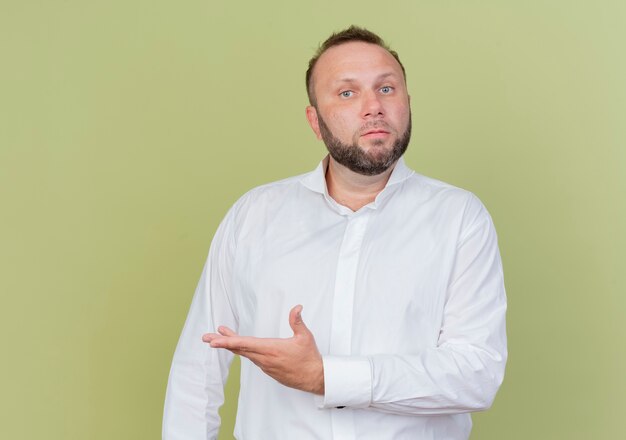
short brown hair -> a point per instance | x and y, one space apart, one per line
353 33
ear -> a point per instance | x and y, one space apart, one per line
311 116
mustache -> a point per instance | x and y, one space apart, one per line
375 125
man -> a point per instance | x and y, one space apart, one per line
398 276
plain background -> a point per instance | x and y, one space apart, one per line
127 129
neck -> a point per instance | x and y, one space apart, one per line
352 189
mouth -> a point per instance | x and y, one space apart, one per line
376 133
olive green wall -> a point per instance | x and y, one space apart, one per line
127 129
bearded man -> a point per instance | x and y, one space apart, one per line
399 277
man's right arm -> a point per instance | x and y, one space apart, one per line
195 389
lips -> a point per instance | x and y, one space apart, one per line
374 130
375 134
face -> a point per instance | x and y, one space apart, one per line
362 108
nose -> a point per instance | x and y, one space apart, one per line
372 106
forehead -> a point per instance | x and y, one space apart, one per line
355 60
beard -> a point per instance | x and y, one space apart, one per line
356 158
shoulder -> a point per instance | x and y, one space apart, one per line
428 189
265 198
273 189
444 199
270 192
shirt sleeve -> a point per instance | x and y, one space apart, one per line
195 389
463 372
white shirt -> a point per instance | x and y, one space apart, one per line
405 298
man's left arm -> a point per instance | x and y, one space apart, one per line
463 372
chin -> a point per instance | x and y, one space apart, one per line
377 145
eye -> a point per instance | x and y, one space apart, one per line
346 93
386 90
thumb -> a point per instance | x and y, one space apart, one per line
295 321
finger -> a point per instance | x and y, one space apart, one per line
223 330
241 353
258 359
244 343
254 357
295 321
208 337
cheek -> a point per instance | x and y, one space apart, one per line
401 117
335 118
339 124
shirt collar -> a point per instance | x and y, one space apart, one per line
400 173
316 179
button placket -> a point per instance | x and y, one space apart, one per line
343 306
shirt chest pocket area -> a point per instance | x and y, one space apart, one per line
400 294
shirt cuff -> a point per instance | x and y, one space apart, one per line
347 382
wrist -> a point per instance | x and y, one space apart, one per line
318 382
